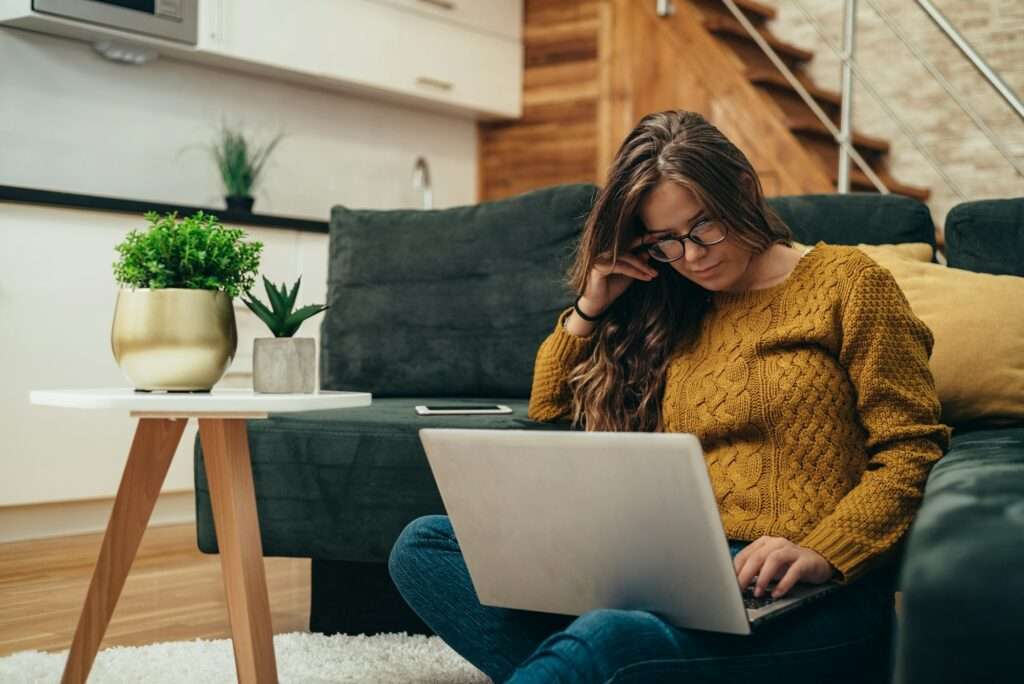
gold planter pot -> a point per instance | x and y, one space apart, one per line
173 339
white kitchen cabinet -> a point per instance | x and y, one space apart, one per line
463 57
389 48
500 17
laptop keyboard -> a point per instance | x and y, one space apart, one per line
751 601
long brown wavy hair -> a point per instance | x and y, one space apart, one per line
619 386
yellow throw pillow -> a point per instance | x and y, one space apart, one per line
918 251
978 358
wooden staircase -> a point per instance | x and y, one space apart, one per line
592 68
799 119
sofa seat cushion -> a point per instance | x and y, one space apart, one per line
342 484
963 591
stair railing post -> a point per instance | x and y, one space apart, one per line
846 109
793 81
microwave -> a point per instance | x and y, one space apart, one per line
168 19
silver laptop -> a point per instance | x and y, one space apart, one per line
568 522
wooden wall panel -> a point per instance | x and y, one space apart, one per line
556 139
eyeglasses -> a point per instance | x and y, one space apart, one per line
707 233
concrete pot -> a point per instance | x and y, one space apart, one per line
284 365
173 339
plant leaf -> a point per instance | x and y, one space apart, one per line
238 160
261 310
291 326
293 293
282 290
195 252
277 302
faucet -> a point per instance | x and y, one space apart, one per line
421 181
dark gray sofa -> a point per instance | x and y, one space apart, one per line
962 614
452 304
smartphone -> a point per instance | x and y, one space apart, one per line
461 409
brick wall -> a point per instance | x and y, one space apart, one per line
995 28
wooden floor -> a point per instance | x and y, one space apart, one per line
173 592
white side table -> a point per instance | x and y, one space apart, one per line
162 418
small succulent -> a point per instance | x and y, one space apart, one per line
279 317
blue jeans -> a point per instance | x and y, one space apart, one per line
845 636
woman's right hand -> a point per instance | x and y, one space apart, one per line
607 281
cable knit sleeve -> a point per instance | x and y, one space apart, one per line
885 349
550 399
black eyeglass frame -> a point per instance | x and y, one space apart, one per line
681 239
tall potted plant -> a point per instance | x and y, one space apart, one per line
174 325
283 364
240 163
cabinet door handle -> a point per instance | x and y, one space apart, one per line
435 83
441 4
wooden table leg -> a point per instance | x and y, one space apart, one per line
233 499
153 447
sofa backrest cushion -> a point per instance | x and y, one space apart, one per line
451 302
987 236
853 218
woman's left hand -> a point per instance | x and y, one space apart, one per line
772 557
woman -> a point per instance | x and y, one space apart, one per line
805 376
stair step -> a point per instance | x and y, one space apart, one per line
772 77
810 125
757 12
754 7
860 181
723 25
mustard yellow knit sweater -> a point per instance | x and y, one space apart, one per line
813 402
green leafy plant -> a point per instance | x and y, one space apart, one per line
196 253
279 317
240 161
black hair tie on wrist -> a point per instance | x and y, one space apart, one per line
588 319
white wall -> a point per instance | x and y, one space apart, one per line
70 121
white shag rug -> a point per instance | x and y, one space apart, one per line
301 659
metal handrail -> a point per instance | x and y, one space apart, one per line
980 64
903 126
844 144
844 136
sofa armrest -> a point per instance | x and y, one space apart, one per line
962 612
